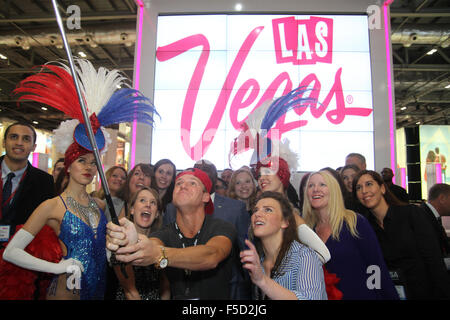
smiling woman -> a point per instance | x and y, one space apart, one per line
165 172
349 238
406 237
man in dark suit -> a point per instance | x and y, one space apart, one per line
234 212
438 205
24 187
398 191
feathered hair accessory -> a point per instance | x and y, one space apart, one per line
256 135
107 103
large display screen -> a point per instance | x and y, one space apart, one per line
212 71
434 152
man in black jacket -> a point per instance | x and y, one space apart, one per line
24 187
438 205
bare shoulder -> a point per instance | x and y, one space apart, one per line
48 212
50 205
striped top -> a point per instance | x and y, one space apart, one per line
301 272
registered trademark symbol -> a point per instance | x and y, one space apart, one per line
349 99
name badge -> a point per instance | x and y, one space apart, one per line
4 233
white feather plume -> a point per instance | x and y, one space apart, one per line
63 135
255 118
97 86
285 152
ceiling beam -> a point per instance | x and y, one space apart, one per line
114 15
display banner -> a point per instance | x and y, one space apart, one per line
212 71
434 152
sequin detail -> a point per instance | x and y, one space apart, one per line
146 282
83 246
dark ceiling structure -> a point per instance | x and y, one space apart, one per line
106 36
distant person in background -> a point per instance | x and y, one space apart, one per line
442 160
226 175
348 172
57 168
221 187
61 182
243 187
357 159
438 206
301 190
116 177
164 182
398 191
430 169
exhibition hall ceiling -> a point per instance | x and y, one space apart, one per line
420 34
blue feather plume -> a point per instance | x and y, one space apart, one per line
282 105
127 105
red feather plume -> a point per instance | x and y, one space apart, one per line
53 86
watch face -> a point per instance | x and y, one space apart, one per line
163 263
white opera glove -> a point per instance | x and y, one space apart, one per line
308 237
16 254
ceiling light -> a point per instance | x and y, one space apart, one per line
44 108
403 108
431 52
35 122
119 86
3 57
82 54
238 7
418 122
447 86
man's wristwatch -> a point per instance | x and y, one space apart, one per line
163 261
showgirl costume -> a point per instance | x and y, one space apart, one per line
83 228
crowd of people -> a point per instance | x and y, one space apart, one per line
349 234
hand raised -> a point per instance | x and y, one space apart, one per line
120 236
251 262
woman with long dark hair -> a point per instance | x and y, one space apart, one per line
279 265
410 249
165 172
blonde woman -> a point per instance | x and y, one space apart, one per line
357 259
243 187
116 177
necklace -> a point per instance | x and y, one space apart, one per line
89 212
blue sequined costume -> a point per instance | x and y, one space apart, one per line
83 246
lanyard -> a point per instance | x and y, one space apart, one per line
183 238
12 194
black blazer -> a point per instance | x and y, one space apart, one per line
438 230
36 187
